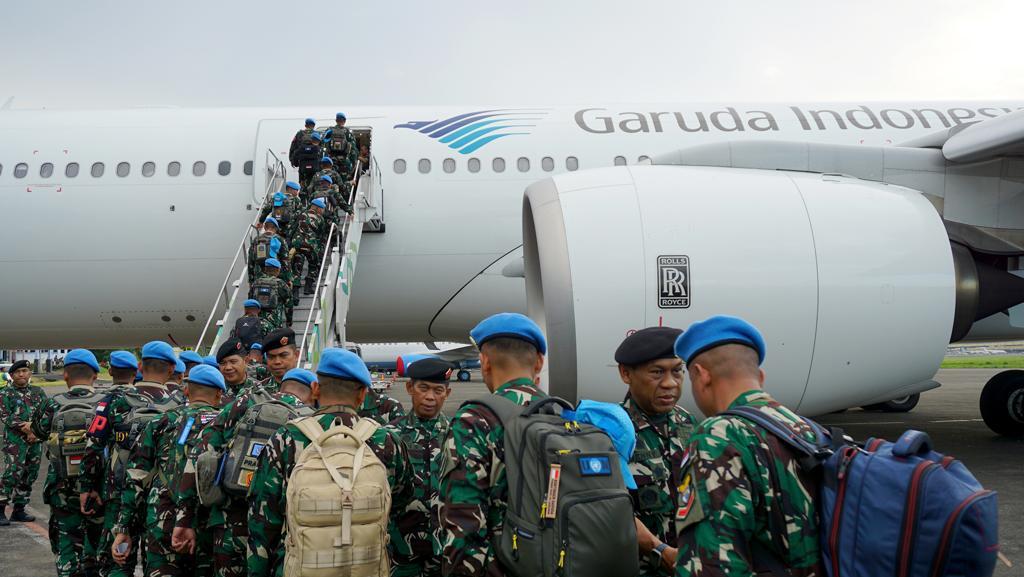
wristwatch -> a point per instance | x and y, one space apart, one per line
655 554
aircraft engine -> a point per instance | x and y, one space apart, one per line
852 282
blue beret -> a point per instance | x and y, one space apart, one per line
255 347
316 135
326 160
272 220
343 364
272 262
82 357
292 185
207 377
191 357
319 202
300 375
210 361
512 326
327 178
159 350
715 332
123 360
250 304
278 201
310 121
340 116
179 367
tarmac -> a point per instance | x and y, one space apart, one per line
949 415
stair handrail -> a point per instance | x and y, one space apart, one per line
276 175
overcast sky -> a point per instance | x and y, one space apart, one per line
69 53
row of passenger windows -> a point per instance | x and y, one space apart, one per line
123 169
547 164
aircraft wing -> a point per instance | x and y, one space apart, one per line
977 141
460 354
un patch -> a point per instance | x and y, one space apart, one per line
673 282
595 466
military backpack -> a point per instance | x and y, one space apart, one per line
569 513
338 500
72 420
264 290
266 246
247 329
143 409
339 144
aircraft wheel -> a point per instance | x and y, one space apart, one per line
463 375
900 405
1002 403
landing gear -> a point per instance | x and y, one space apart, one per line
462 375
1002 403
900 405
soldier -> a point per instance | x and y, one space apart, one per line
255 367
415 548
62 421
342 381
250 328
309 244
269 244
231 360
176 386
747 506
649 367
282 356
327 169
22 450
111 438
309 155
154 467
474 489
297 140
341 146
381 407
191 359
228 521
295 198
123 366
273 294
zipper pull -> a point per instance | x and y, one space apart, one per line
515 545
561 559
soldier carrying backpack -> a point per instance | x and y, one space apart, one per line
336 477
308 156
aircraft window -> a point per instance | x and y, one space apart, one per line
198 168
224 168
97 169
523 163
123 168
399 166
148 169
448 165
498 165
46 169
173 168
547 163
643 158
71 170
20 170
572 163
247 168
473 165
620 161
424 165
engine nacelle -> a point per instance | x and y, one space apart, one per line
851 282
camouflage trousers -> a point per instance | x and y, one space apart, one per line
422 568
311 257
73 539
275 316
108 568
21 467
229 541
161 560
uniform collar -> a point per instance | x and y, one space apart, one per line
335 409
642 420
521 382
751 397
416 420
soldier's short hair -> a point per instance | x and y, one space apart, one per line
504 351
121 373
729 361
79 371
335 387
156 365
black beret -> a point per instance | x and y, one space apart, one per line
232 346
648 344
278 338
431 370
22 364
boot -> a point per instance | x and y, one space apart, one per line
3 518
20 516
308 288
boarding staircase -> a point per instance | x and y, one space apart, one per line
318 319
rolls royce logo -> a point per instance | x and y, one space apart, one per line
673 282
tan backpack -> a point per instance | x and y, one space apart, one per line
339 499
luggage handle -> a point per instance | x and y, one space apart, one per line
536 406
912 443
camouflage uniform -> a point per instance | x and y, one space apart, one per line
256 264
381 407
415 548
73 536
155 465
257 372
276 315
743 488
21 458
474 488
228 522
343 158
661 449
310 235
267 510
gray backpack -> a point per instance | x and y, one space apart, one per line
126 433
569 513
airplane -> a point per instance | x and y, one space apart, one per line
394 357
862 238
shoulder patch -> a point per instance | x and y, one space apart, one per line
690 511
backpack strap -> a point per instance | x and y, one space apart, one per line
503 408
811 454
